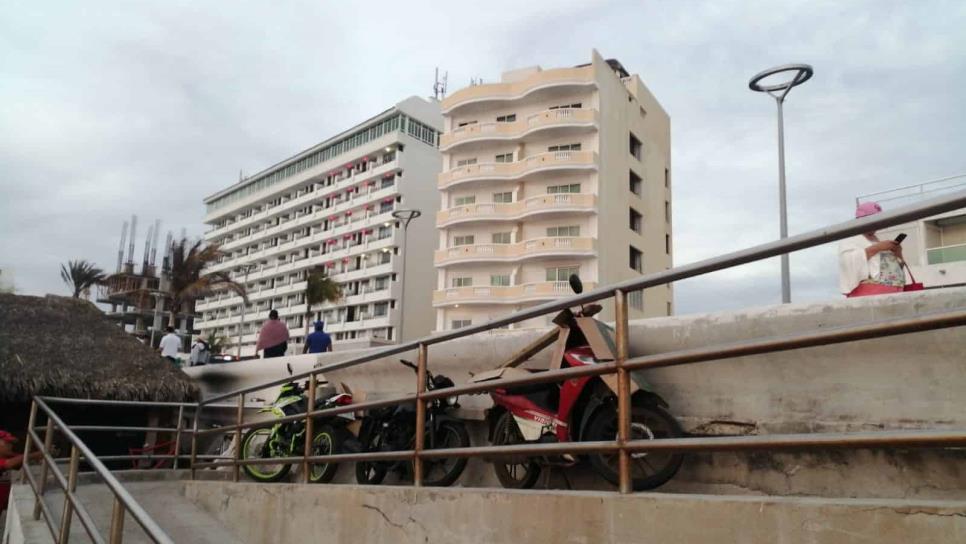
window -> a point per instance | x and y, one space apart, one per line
575 106
635 220
463 282
465 123
505 157
466 240
635 300
501 237
460 323
667 211
571 188
507 118
384 232
504 197
667 244
466 162
635 146
563 232
383 282
500 280
634 183
636 260
567 147
464 200
562 273
384 257
380 309
385 207
387 182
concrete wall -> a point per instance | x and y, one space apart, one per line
903 382
362 514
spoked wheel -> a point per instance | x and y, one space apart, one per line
372 472
445 472
648 422
255 445
516 472
325 442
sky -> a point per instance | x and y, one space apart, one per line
109 109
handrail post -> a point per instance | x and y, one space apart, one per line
31 421
194 440
117 522
420 415
177 438
623 392
42 485
71 487
239 418
309 428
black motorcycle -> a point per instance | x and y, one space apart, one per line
393 428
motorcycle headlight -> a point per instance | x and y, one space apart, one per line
451 401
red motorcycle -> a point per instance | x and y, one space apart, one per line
579 409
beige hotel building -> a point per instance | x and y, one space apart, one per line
545 174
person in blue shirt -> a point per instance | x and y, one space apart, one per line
319 341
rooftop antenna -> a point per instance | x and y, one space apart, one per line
154 242
130 247
120 247
439 86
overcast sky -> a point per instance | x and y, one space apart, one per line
114 108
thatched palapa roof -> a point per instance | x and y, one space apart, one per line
66 347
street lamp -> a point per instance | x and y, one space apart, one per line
241 319
406 217
778 91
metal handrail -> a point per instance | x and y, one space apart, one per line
756 253
123 501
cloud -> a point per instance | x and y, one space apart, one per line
110 109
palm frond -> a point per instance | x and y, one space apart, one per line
80 275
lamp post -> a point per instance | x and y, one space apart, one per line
241 318
778 91
406 217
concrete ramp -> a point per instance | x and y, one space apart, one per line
265 514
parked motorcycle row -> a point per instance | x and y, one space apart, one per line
578 410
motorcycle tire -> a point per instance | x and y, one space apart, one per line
327 441
523 475
260 473
648 421
450 434
372 472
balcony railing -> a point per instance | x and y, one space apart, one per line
512 211
536 247
509 294
511 91
554 160
563 117
946 254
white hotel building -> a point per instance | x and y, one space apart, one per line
331 206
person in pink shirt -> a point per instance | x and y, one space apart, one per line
9 461
273 337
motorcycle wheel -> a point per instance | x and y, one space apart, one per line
255 446
327 441
513 473
372 472
444 472
648 422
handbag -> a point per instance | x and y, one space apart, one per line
913 285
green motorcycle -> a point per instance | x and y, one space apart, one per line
288 439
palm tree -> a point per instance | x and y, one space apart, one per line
319 288
80 275
188 280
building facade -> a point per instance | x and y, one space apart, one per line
332 206
545 174
935 247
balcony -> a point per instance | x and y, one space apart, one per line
545 120
512 211
557 160
535 248
500 92
511 294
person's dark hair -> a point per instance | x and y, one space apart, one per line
273 314
169 329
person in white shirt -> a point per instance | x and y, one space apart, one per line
170 346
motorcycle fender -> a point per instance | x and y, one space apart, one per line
594 404
531 430
440 418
